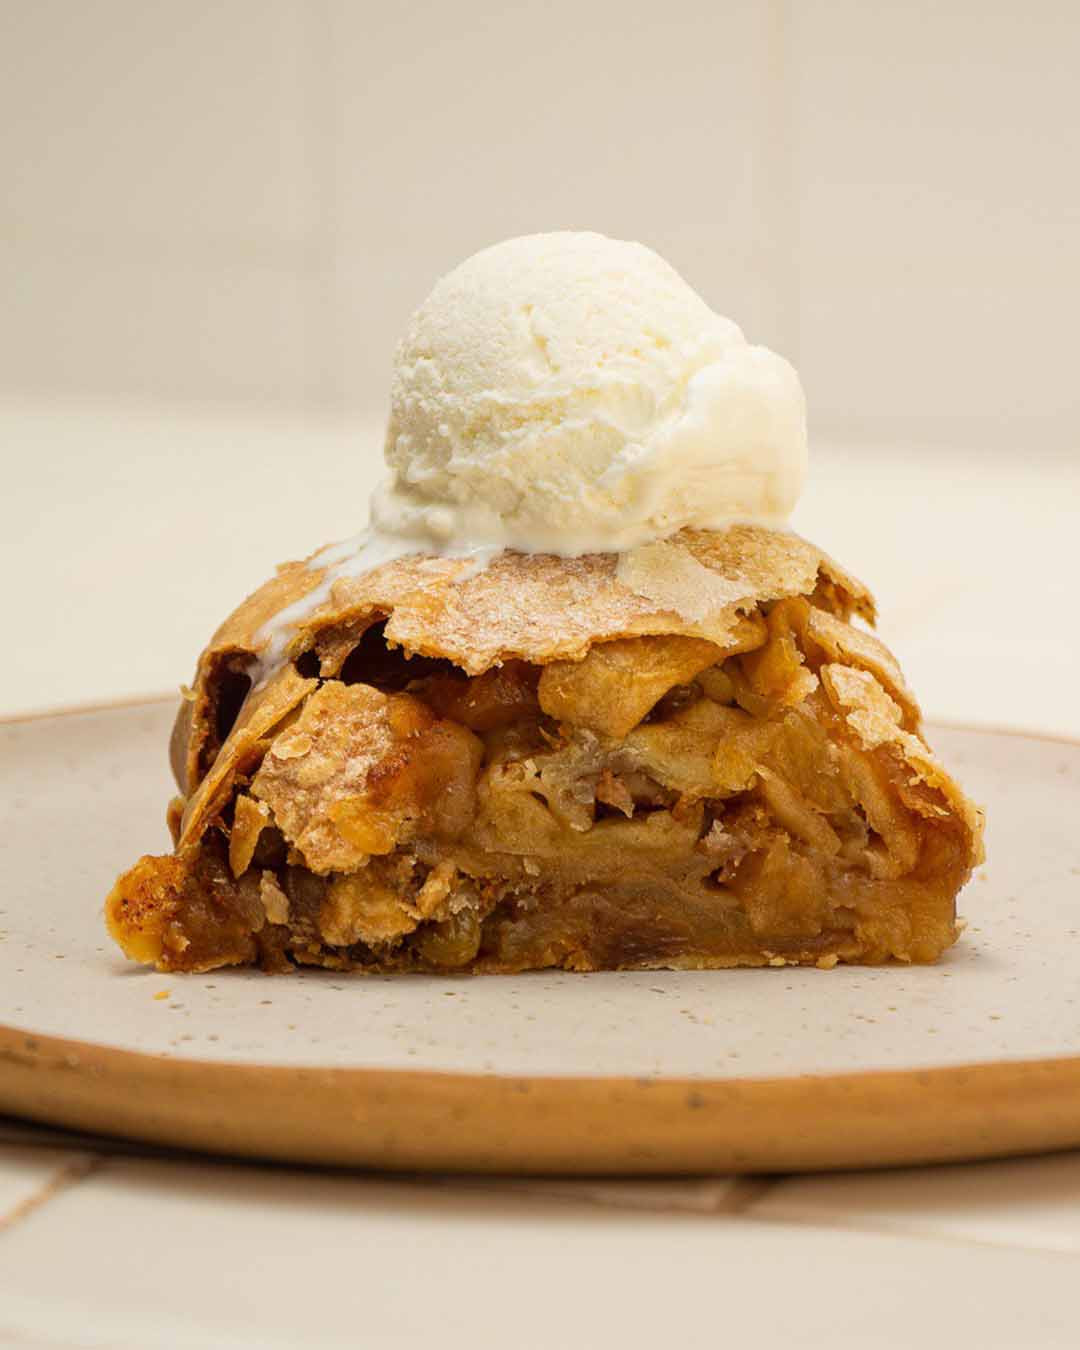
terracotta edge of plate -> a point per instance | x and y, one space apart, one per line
428 1121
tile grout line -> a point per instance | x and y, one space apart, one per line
621 1194
740 1201
746 1191
65 1177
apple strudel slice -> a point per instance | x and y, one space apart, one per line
686 757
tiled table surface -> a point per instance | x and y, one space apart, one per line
102 1245
107 1249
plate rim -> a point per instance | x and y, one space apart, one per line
430 1120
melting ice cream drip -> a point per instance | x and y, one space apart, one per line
355 557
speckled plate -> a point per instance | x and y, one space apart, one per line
653 1072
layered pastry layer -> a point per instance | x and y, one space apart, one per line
547 763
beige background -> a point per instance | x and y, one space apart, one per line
239 203
216 217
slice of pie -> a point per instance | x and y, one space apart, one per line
547 763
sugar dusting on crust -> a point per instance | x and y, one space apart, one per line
669 574
477 612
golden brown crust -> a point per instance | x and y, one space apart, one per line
537 607
358 770
264 710
877 723
841 642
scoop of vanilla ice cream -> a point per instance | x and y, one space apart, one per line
570 393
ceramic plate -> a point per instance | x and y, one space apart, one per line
633 1072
